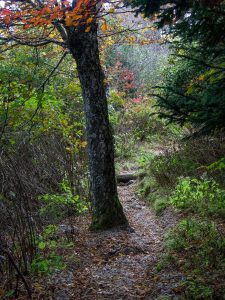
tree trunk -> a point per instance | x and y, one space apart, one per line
107 210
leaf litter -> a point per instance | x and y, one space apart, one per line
118 263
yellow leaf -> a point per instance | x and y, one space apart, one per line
106 81
131 39
83 144
111 10
190 89
201 77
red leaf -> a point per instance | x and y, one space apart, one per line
6 12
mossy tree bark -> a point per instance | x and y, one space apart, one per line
107 210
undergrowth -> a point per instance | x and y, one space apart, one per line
197 247
190 180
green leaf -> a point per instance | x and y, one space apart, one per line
42 245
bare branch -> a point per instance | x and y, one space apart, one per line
42 86
30 43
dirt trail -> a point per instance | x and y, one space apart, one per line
119 264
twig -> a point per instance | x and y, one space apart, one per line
42 86
4 251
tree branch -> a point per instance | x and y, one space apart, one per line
202 62
42 86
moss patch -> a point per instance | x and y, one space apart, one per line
111 216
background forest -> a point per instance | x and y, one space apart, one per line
165 80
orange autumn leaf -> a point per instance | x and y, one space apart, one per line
80 15
46 10
69 22
104 27
6 20
55 9
89 20
88 29
26 26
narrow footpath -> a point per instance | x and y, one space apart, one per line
119 264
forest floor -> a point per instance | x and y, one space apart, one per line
118 264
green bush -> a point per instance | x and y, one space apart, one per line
47 265
199 237
191 158
197 289
116 100
202 196
55 207
198 248
168 168
160 176
124 145
160 205
48 258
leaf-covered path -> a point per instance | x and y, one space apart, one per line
119 264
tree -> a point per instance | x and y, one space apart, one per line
73 25
193 87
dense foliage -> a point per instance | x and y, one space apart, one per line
193 86
34 120
175 71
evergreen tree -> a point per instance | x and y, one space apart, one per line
194 83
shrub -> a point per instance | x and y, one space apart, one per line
116 100
49 242
199 237
198 247
125 145
191 158
160 205
202 196
47 265
58 206
195 288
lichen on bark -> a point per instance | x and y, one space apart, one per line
112 216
